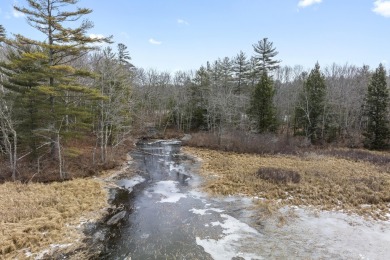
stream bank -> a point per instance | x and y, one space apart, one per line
163 214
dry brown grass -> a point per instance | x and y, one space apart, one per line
326 182
34 216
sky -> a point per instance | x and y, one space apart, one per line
172 35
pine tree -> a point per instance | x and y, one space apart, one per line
309 113
54 84
199 95
240 68
376 109
2 33
265 54
226 72
262 109
123 54
23 72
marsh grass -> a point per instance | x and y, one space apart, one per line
34 216
326 182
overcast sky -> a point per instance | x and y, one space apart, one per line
172 35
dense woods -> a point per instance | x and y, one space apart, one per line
64 89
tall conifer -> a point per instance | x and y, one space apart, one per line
265 56
54 81
309 112
376 109
262 109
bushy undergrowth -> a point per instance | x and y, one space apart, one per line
243 142
81 158
377 158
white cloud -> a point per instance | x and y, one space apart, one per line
382 7
181 21
306 3
17 14
96 36
153 41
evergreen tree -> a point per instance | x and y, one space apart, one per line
54 82
265 54
376 109
199 95
226 72
123 54
2 33
309 113
251 73
262 109
24 72
240 68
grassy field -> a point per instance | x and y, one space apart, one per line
35 216
328 180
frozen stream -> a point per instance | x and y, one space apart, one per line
168 218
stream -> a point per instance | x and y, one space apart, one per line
163 215
167 217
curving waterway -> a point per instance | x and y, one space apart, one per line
168 218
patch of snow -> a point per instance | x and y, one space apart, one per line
28 254
60 245
130 183
169 191
175 168
148 194
171 142
231 244
216 210
328 234
41 254
199 211
203 211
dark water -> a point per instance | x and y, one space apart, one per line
168 219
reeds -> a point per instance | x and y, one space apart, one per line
34 216
315 179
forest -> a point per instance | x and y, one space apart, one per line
103 159
67 104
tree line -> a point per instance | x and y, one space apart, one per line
339 103
65 87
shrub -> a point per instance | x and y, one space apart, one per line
277 175
242 142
